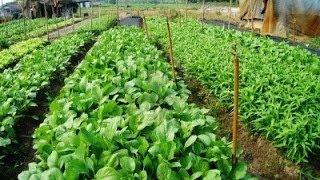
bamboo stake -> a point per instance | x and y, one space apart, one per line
118 10
46 14
80 10
236 105
146 27
251 9
24 25
229 14
65 20
91 17
99 15
171 51
203 7
186 9
72 19
56 18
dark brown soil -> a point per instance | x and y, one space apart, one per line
22 152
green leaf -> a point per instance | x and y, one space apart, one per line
190 141
240 170
196 175
163 171
128 164
212 174
107 173
52 159
204 139
24 175
52 174
4 141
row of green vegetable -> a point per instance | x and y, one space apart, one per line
120 116
19 85
52 27
16 51
14 32
98 24
279 84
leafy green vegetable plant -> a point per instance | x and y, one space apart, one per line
18 50
120 116
19 86
279 84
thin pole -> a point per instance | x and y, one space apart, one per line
99 16
203 6
80 10
118 10
56 18
91 14
236 105
251 9
171 51
229 14
146 27
72 18
65 18
46 14
186 9
24 25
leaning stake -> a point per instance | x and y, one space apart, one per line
46 14
236 104
171 51
146 27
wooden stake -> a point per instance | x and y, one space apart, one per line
91 17
203 7
186 9
146 27
72 19
80 10
56 18
65 19
229 14
171 52
99 16
179 19
236 105
252 25
24 25
46 14
118 10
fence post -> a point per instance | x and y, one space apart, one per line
46 14
236 104
171 52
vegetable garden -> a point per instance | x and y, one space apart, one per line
122 110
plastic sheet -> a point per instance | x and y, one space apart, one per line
245 7
284 16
